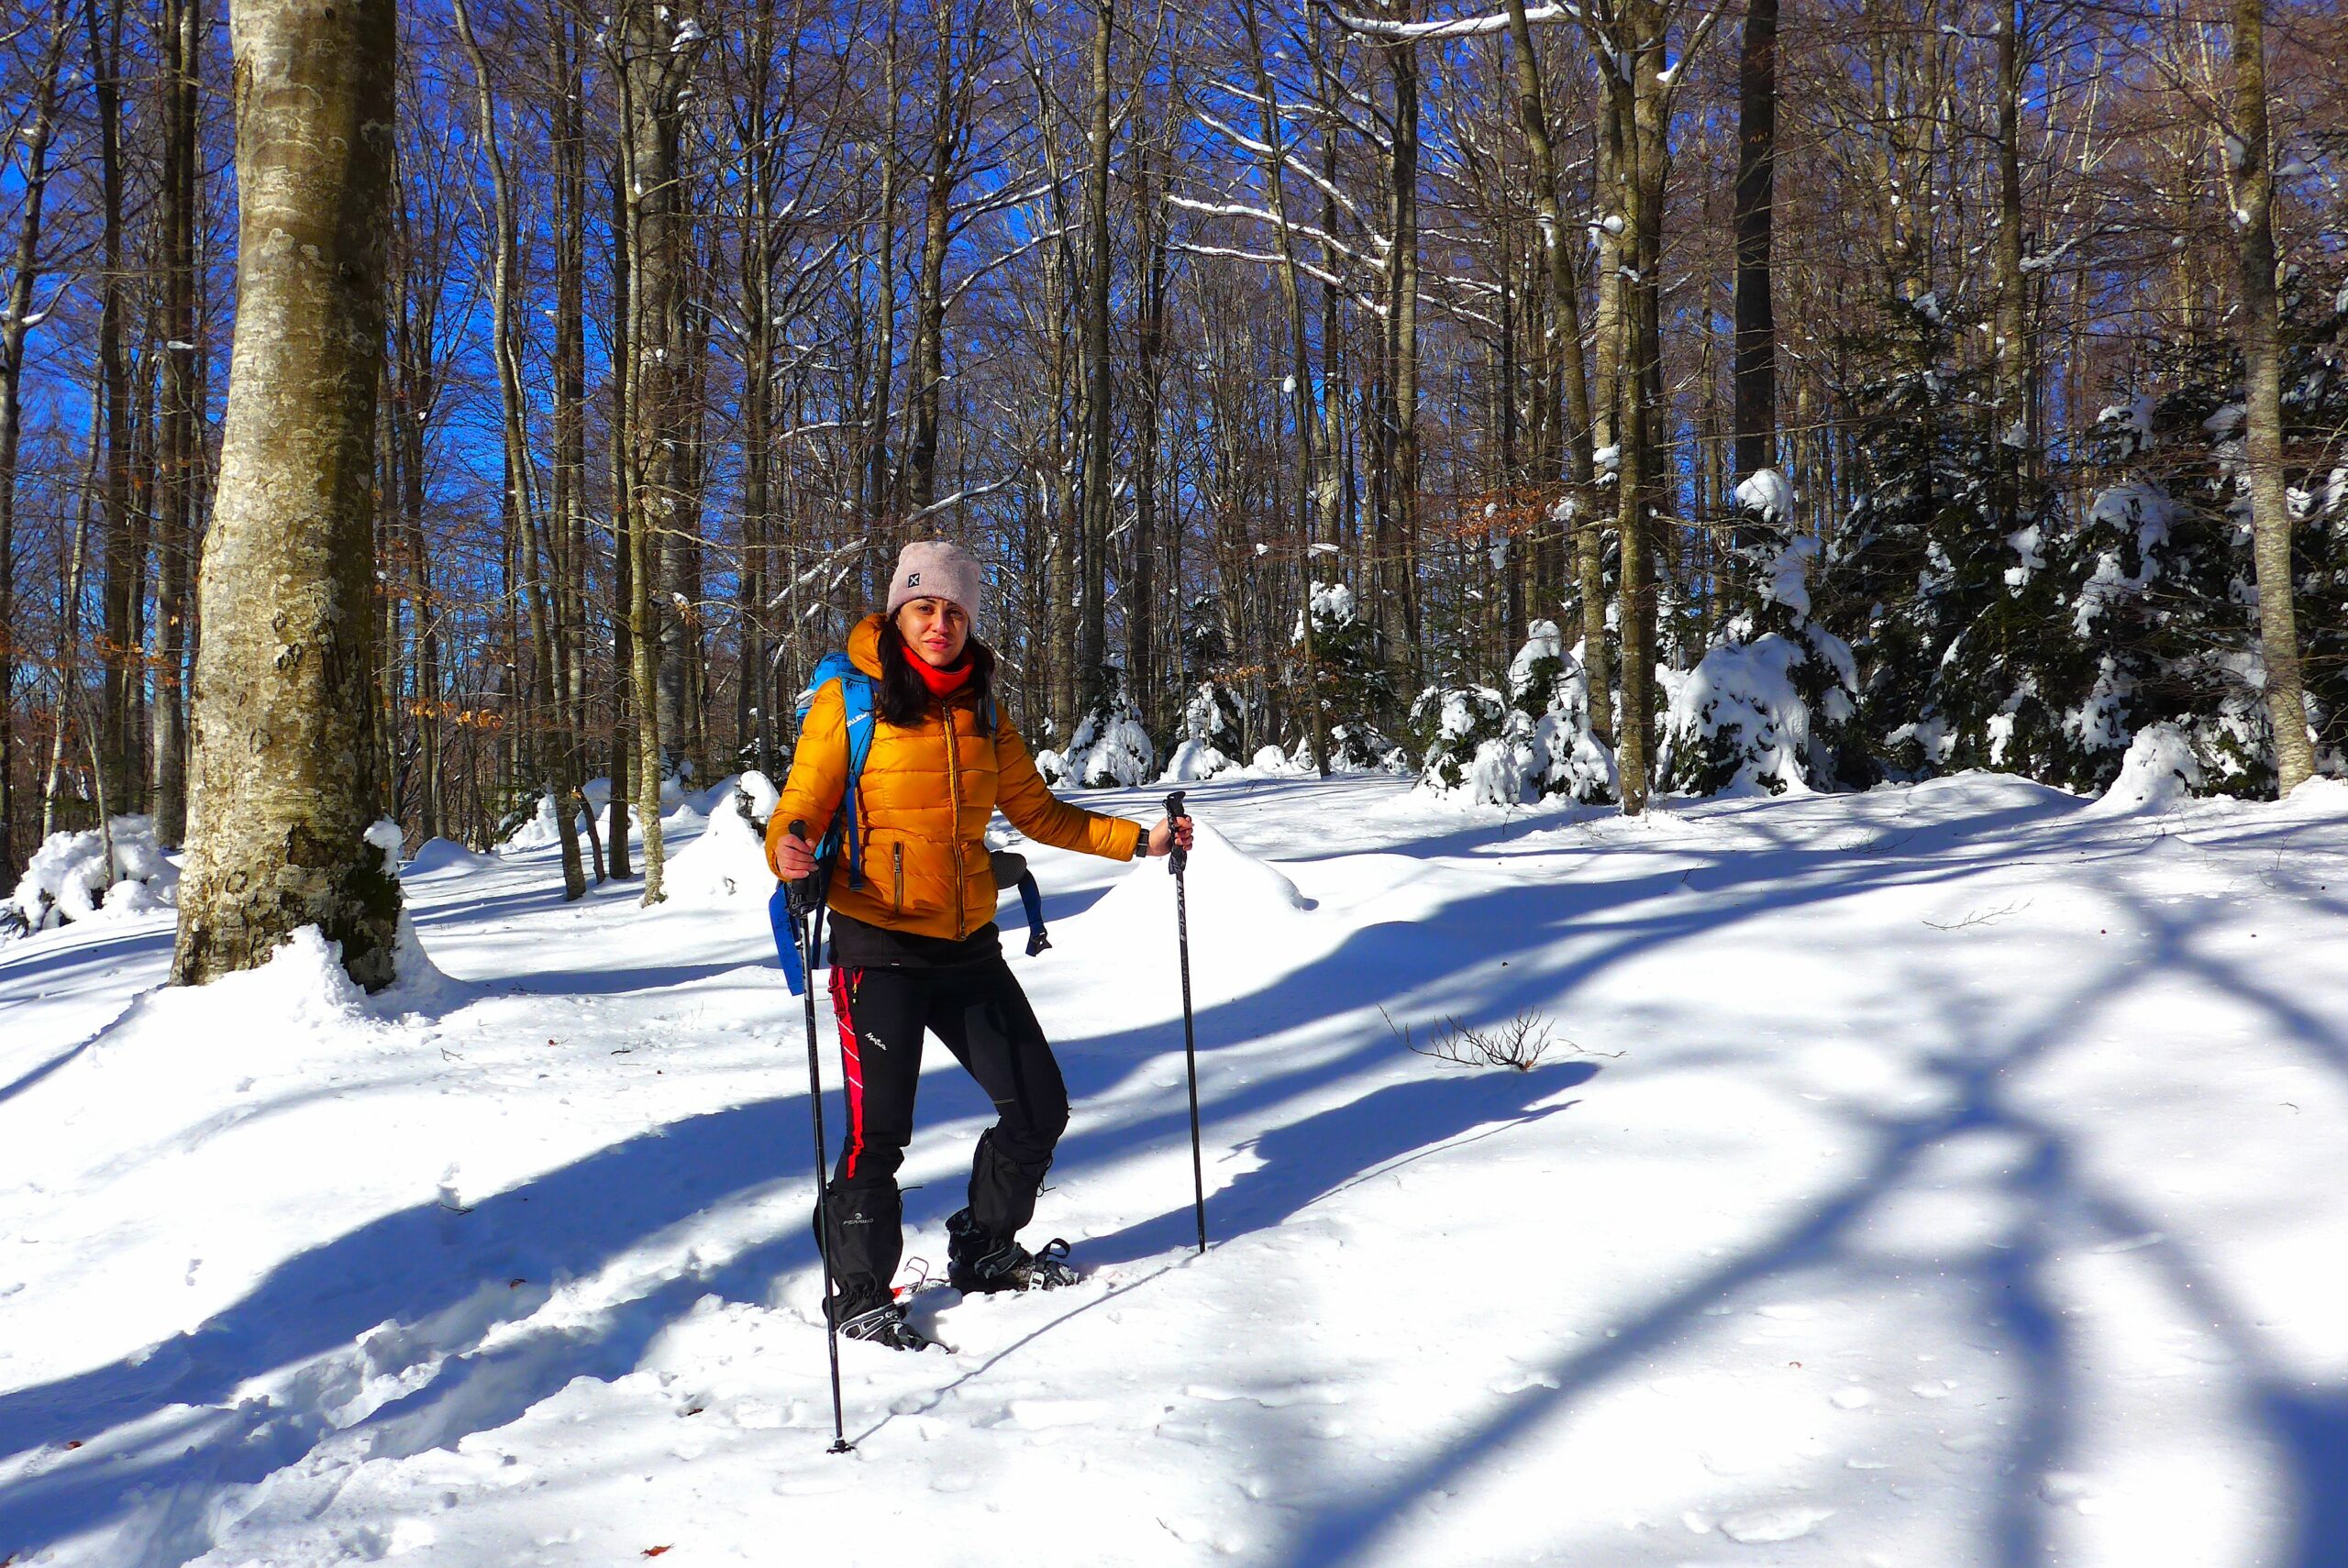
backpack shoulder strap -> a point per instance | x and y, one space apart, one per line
857 720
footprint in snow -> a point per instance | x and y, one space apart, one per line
1762 1526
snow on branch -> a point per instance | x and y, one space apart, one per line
1311 231
1307 268
959 497
1295 165
1452 27
1002 261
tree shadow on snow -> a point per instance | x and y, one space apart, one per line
1304 1160
164 1428
2056 1206
164 1437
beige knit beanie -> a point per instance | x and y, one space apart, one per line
938 569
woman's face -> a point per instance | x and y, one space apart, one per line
936 629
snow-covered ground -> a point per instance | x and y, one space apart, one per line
1943 1176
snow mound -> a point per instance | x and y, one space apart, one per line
542 830
436 854
1245 916
2317 797
729 860
1194 761
1271 762
2159 774
301 992
69 880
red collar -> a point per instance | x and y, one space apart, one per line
941 683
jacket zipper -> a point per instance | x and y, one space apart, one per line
900 850
954 803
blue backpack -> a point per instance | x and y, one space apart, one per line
856 700
846 829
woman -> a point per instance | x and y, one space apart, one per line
914 941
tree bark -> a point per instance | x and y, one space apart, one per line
1403 368
283 789
24 276
179 441
1091 650
2011 382
1141 600
122 591
655 65
1299 373
2262 349
1565 353
540 699
1756 371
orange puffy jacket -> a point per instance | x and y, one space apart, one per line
928 791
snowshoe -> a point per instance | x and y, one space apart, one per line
979 1264
885 1325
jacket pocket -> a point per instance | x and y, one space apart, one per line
898 854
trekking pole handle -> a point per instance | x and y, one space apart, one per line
802 890
1175 813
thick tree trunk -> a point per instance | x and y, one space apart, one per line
623 748
949 136
754 715
283 787
1300 374
2261 350
38 132
1565 329
1639 123
1091 650
1403 368
1756 371
882 530
1141 600
180 439
540 699
2011 353
658 59
123 588
571 403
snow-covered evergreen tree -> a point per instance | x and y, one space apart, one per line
1774 705
1110 747
2159 593
1940 578
1211 736
1530 743
1356 695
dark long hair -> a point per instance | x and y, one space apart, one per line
904 697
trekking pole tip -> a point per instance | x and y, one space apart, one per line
841 1446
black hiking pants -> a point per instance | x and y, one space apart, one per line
980 1013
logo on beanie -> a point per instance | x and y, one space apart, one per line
912 579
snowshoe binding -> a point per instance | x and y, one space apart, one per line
978 1263
885 1325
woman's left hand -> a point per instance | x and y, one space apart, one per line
1169 832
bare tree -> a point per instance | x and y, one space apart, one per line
2250 161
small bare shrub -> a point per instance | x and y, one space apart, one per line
1519 1045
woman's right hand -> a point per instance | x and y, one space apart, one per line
795 858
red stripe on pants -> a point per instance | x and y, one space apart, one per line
852 1064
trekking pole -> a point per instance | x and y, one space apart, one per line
791 904
1176 860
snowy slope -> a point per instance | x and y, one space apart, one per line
1947 1175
